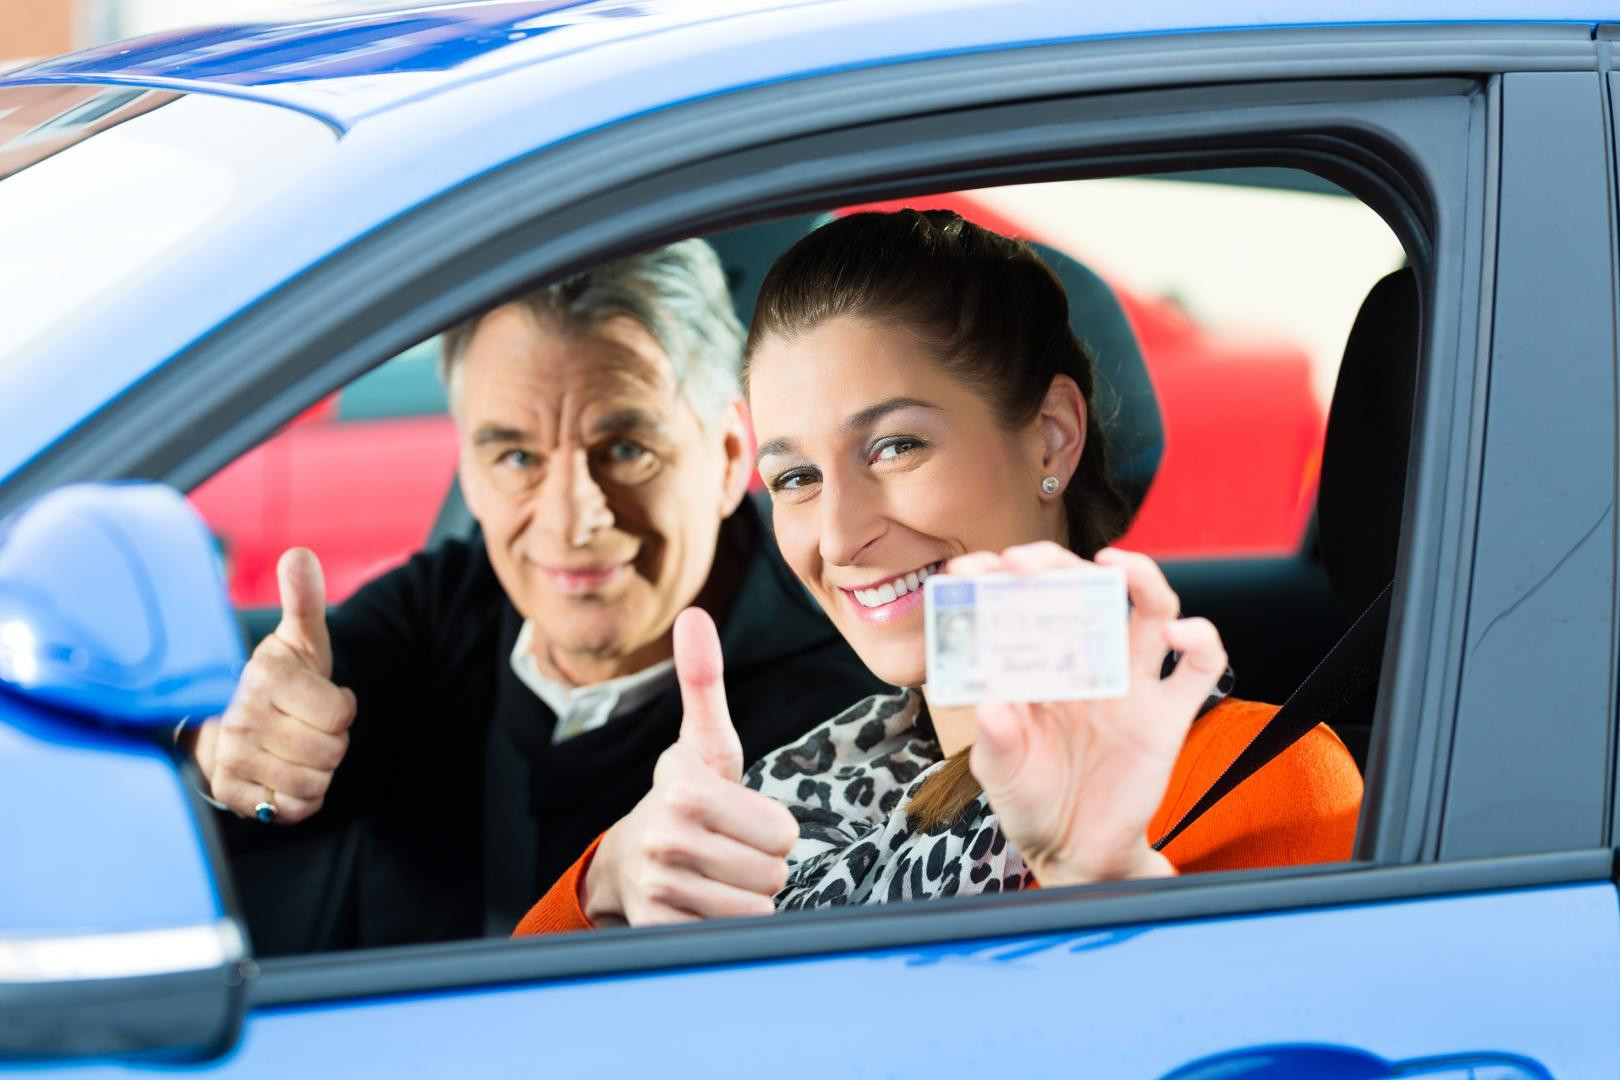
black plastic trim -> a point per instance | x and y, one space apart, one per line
187 1016
384 972
1541 620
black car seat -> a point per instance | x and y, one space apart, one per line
1359 506
1363 481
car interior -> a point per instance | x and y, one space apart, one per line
1281 613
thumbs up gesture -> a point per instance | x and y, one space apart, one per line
699 844
287 728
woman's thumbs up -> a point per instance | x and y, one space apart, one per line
700 844
706 726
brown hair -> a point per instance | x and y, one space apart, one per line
997 319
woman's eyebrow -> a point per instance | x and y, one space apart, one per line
873 413
775 446
855 422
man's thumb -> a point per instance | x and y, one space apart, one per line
706 726
303 608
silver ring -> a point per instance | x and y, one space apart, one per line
266 810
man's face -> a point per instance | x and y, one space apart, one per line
599 491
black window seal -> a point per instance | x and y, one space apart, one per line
374 973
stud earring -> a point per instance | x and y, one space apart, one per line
1049 485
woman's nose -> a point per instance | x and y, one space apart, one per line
574 507
851 521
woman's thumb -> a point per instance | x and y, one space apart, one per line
706 726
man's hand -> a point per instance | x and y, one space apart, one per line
700 844
288 726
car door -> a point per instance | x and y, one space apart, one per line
1476 933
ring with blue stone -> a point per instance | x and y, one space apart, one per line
266 810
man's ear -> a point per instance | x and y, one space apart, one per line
472 492
737 443
1062 424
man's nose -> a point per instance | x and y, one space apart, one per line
573 505
852 519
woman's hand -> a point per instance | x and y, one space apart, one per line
1075 783
700 844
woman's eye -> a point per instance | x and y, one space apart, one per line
889 449
794 480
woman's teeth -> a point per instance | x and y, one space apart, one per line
890 591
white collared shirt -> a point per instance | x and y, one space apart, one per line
586 708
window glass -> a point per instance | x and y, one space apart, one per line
1237 290
1239 285
359 478
99 184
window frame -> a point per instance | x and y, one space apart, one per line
657 179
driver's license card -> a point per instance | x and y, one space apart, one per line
1059 635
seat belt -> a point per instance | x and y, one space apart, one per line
1348 669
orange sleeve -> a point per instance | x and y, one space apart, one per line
559 911
1301 807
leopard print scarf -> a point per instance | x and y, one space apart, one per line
848 783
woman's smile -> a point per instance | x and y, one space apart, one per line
889 599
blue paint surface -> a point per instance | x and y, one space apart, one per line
1522 977
432 97
113 604
96 834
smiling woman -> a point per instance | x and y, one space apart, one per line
923 403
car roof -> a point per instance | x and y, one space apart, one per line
427 97
350 64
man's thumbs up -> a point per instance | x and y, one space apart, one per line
287 728
303 609
706 727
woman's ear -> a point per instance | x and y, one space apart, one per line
1062 424
737 443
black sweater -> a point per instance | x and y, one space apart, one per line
453 811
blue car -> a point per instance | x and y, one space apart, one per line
204 233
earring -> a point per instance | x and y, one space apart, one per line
1049 485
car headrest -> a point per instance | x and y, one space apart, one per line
1125 398
1368 434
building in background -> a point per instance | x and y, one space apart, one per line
36 28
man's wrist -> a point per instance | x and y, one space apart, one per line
187 736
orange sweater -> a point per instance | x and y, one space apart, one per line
1300 808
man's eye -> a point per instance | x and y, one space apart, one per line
623 452
517 459
889 449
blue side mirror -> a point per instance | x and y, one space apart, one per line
112 603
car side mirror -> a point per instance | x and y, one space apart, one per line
117 937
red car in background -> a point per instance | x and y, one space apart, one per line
360 478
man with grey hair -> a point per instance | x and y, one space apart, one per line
444 744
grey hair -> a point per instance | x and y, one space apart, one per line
678 293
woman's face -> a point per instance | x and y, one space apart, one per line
881 467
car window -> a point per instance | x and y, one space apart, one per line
1216 364
148 170
1239 287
